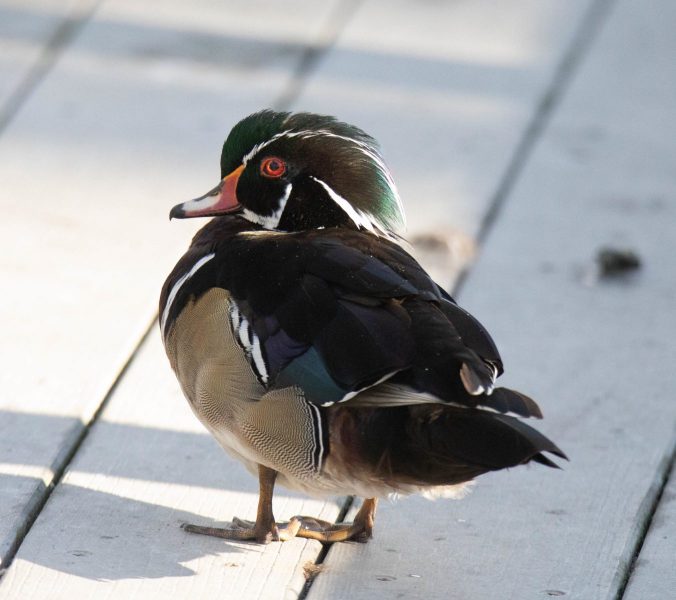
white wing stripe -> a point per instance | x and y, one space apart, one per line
243 333
249 341
259 362
318 453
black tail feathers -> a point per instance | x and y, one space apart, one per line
505 400
444 445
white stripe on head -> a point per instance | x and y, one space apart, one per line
258 147
358 217
361 146
177 286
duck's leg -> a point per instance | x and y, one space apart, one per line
360 530
265 529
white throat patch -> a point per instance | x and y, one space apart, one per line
270 221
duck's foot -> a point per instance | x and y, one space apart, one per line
265 529
360 530
248 531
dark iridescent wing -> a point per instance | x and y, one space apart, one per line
336 311
345 309
363 311
472 332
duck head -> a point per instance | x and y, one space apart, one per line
295 171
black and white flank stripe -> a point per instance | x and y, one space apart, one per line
249 342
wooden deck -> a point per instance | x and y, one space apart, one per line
525 135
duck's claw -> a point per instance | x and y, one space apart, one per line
360 530
311 528
246 531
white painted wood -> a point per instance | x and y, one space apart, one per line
112 527
26 29
129 122
151 467
654 575
448 89
120 60
593 353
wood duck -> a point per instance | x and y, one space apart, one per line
315 349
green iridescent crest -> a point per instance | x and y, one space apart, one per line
341 156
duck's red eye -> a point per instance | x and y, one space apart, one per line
273 167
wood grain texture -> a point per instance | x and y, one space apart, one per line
448 89
654 575
112 527
590 350
30 39
90 167
143 71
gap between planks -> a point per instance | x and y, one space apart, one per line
61 38
323 553
563 74
311 56
652 503
590 25
66 457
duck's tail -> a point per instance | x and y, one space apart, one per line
434 444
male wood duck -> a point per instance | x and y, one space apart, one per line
315 349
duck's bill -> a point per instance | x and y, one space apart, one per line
221 200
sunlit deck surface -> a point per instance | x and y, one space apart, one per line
525 137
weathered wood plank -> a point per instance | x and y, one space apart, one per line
31 33
111 528
37 549
449 89
92 474
592 351
44 529
90 166
654 575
